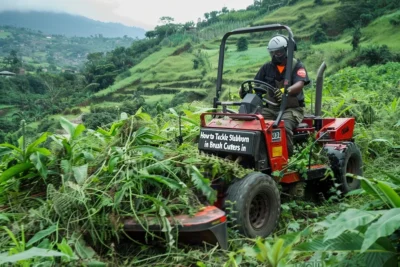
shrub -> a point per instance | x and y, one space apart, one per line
366 19
374 55
67 111
319 36
48 125
195 64
124 75
301 17
356 38
242 44
95 120
131 106
395 21
186 97
76 111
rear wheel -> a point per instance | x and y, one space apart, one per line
346 161
255 205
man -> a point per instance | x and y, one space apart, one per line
273 73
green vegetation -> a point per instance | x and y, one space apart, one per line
65 187
4 34
54 52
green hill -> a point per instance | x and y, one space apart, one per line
165 70
67 24
38 49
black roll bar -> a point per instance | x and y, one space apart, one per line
289 63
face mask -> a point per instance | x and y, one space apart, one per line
278 60
278 56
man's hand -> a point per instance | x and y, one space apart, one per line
278 94
241 93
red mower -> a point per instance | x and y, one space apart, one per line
258 144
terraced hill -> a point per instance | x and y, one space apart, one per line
172 70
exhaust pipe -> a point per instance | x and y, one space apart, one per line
318 93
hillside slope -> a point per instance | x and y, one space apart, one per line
164 71
68 25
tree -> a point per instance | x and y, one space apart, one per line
12 61
165 20
188 25
150 34
356 38
214 16
242 44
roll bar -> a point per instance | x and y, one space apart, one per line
287 80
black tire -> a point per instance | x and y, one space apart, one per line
254 205
346 161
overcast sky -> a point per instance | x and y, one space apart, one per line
141 13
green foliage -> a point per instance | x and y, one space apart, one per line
374 55
135 158
185 97
95 120
242 44
356 38
12 62
395 21
319 36
273 255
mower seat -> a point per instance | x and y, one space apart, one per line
302 125
302 132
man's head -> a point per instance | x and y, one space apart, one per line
277 48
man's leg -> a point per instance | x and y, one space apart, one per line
269 114
292 117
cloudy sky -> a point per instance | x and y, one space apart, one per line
141 13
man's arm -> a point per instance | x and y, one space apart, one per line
295 88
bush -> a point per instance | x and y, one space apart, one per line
95 120
395 21
131 106
76 111
319 36
301 17
242 44
374 55
356 38
124 75
366 19
48 125
195 64
186 97
67 111
99 109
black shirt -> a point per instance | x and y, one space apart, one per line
269 73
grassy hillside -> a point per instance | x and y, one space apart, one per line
163 70
67 24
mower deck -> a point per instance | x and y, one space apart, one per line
208 225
